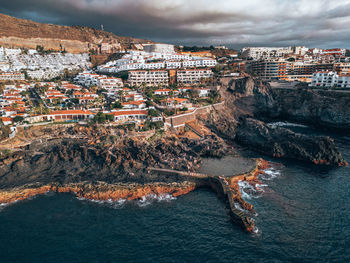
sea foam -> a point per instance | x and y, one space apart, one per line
149 199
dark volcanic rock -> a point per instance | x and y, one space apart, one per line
281 142
72 161
249 99
330 109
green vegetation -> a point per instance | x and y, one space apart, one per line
197 49
117 105
129 126
169 112
102 118
153 125
18 119
153 113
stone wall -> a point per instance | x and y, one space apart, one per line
180 120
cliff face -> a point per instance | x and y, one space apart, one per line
330 109
28 34
247 100
280 142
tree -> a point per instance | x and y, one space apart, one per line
117 105
18 119
75 101
101 117
153 113
40 49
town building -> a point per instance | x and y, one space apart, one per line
193 76
130 115
148 78
12 76
270 69
330 79
257 53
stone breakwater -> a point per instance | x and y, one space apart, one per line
227 187
230 189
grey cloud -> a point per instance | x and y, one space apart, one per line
202 27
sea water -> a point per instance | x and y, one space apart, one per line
302 215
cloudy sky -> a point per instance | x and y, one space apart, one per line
322 23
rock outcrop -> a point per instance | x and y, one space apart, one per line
321 108
248 99
66 161
280 142
97 191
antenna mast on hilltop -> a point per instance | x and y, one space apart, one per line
102 28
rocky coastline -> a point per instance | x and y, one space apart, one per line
101 163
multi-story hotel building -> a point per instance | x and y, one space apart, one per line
270 70
193 76
148 77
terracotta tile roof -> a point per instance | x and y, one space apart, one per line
70 112
5 119
135 112
134 102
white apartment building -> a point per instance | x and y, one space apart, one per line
330 79
301 51
12 76
136 60
150 78
110 83
257 53
193 76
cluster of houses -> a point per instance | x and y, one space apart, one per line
13 103
157 67
158 56
40 66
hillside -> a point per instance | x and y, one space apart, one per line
28 34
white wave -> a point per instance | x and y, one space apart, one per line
260 187
117 203
3 205
256 231
238 206
269 174
147 200
121 201
165 197
285 124
245 186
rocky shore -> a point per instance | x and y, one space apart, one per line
103 163
250 102
115 166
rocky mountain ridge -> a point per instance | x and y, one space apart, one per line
15 32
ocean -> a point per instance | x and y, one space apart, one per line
303 215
